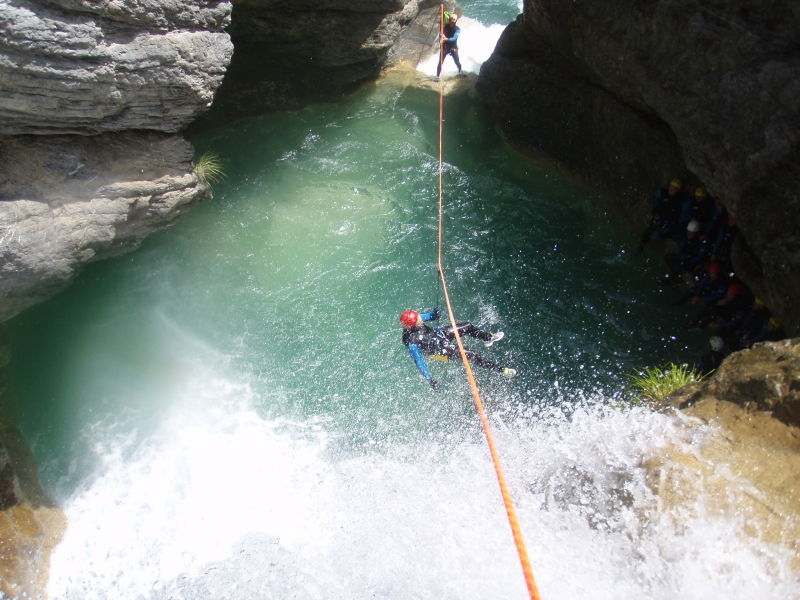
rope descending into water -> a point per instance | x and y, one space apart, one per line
512 515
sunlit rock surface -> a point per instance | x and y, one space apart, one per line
628 95
765 377
30 525
92 66
748 467
69 200
82 82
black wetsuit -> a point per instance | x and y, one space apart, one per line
451 32
666 213
441 340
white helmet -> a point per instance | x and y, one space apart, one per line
693 226
716 343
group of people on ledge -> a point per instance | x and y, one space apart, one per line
706 231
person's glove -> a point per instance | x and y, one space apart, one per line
434 385
435 314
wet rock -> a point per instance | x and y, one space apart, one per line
30 524
732 463
290 54
765 377
91 66
626 96
746 466
69 200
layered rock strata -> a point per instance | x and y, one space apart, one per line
89 90
92 93
69 200
626 96
90 66
293 53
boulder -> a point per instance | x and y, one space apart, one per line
765 377
30 524
69 200
89 92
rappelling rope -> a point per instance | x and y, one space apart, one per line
512 515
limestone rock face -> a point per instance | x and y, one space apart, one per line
30 525
76 199
89 66
81 84
628 95
726 461
292 53
746 465
763 378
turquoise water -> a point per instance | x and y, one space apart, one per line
488 13
241 376
323 232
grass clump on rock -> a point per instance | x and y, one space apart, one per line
209 168
653 385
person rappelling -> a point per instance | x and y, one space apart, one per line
439 342
449 43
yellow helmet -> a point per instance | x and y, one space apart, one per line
701 192
676 183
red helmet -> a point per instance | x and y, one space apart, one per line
409 319
735 289
715 268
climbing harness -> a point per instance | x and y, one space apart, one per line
509 505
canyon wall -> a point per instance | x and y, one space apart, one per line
293 53
627 95
92 95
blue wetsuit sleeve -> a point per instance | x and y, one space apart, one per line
431 316
657 200
762 334
455 35
702 285
413 350
712 223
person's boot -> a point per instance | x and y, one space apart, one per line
496 337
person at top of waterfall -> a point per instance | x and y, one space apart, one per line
439 342
449 43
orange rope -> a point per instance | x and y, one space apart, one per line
512 515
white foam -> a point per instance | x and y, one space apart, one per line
423 520
476 42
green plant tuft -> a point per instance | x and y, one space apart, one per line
653 385
209 168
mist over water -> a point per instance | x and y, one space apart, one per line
229 411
